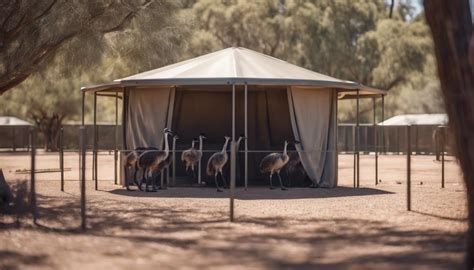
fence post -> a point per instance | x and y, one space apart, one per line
408 168
61 156
83 177
442 155
34 211
116 140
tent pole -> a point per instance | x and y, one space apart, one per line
375 142
94 171
354 156
116 139
357 142
232 158
82 124
246 135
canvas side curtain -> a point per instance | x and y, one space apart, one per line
149 111
314 123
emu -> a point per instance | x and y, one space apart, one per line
273 163
294 165
192 156
216 162
131 161
163 166
150 160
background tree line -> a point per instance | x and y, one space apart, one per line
46 56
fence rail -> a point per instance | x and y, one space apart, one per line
393 139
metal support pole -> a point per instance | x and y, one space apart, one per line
357 141
174 160
83 176
408 168
34 211
383 119
116 140
375 143
232 158
61 156
442 156
246 158
95 169
354 158
82 123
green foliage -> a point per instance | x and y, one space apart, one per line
348 39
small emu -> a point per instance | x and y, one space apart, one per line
274 162
131 161
192 156
216 162
151 159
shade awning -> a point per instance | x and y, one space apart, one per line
233 65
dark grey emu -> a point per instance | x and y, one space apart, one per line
150 160
131 161
162 167
273 163
216 162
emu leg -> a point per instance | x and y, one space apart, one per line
139 185
162 186
217 183
154 180
281 183
271 183
127 186
224 180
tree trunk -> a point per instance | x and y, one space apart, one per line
49 126
451 26
392 5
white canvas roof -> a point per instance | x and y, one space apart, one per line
234 65
417 119
12 121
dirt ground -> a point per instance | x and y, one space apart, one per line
188 228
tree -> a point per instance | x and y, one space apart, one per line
51 94
452 30
352 40
33 32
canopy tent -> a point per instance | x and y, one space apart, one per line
237 90
435 119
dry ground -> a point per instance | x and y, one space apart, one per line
188 228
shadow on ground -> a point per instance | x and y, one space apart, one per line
255 193
320 240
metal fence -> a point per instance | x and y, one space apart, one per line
17 137
391 139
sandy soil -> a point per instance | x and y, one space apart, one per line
188 228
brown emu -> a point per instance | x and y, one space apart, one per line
216 162
131 161
273 163
192 156
151 159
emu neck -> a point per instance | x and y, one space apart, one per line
167 147
225 146
238 143
200 143
284 149
192 144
